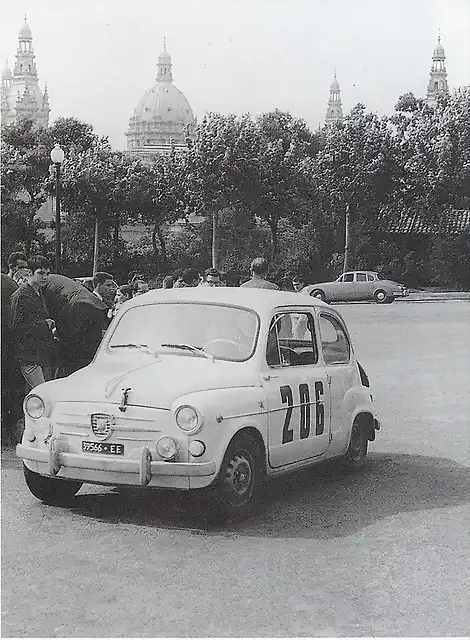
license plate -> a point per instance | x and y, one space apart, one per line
105 448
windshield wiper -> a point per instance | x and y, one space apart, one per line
189 347
134 345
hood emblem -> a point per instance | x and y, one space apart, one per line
102 425
125 396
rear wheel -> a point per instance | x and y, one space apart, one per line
50 490
355 457
318 293
380 296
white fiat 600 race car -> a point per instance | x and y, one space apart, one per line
194 388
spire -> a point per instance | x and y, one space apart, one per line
438 76
164 65
334 112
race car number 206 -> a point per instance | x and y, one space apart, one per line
106 448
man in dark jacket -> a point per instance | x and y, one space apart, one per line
80 317
12 381
31 327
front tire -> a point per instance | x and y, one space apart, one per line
239 477
355 457
318 293
380 296
53 491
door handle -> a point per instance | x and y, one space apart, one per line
269 377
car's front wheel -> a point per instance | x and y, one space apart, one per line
355 457
380 296
318 293
238 477
52 491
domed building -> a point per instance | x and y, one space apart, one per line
21 96
162 118
334 112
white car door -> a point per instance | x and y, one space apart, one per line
343 373
297 391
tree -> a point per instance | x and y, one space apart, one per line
220 163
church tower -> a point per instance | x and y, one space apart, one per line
21 95
334 112
438 76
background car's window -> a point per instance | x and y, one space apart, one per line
227 333
334 341
370 277
348 277
361 277
291 340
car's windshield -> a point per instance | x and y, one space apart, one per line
188 329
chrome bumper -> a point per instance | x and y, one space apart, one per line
145 468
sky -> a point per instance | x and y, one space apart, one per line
236 56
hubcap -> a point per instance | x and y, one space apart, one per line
239 474
381 296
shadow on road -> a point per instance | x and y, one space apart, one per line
322 503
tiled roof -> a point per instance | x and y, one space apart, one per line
451 222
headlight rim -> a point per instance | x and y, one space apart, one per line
200 419
45 406
175 442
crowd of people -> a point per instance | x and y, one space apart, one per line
52 325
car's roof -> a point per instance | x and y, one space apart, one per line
260 300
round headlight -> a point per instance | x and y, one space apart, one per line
167 447
34 407
188 419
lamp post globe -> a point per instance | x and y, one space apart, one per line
57 157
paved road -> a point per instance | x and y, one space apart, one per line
385 553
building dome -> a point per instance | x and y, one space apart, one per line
163 116
25 31
164 103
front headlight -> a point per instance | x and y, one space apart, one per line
188 419
34 406
167 447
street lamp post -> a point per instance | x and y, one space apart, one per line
57 157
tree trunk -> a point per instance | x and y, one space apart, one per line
97 245
154 239
215 239
347 241
162 245
274 237
117 225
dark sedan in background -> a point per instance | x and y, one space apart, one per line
357 285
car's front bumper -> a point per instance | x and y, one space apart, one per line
112 470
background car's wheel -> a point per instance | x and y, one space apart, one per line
380 296
355 457
50 490
318 293
238 477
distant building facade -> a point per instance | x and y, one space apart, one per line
163 117
21 96
438 76
334 112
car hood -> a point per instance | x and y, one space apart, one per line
152 382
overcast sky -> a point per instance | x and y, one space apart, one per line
99 56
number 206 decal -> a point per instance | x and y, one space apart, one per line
305 411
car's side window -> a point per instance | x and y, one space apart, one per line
348 277
335 344
370 278
361 277
291 340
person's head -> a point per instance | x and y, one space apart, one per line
177 275
21 276
167 282
139 287
40 270
104 285
297 283
17 260
212 277
259 267
190 277
123 294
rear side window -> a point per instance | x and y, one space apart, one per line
335 344
361 277
370 278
